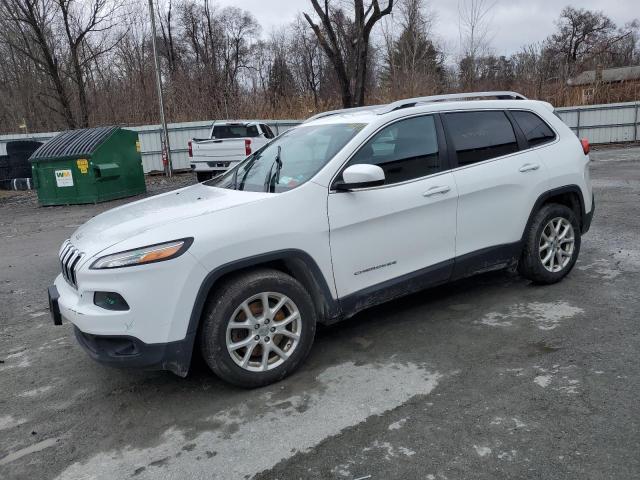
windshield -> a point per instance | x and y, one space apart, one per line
289 160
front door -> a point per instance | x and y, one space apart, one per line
404 229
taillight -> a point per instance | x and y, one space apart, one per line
585 146
247 146
190 149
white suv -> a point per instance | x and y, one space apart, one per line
346 211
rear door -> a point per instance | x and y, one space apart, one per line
498 178
383 238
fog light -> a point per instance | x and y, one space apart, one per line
110 301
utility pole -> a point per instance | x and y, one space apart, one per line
166 148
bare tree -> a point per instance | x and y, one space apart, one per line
474 17
413 64
308 60
79 22
168 37
352 86
29 32
584 34
474 22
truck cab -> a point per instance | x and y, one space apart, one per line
228 144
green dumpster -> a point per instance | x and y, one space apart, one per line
88 166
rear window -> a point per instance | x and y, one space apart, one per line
479 136
234 131
535 130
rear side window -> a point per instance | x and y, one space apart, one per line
235 131
535 130
405 150
479 136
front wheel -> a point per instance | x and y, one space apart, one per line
258 328
552 245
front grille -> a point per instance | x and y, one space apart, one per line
69 258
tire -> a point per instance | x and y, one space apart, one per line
226 304
203 176
555 249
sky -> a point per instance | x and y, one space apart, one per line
514 22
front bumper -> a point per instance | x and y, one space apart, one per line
130 352
153 332
124 351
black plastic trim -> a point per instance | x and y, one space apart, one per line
552 193
523 144
486 260
99 299
299 261
54 307
588 218
396 288
124 351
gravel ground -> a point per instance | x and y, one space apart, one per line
487 378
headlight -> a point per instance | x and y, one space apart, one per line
140 256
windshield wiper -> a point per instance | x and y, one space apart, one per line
273 178
247 168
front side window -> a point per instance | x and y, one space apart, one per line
535 130
405 150
290 160
479 136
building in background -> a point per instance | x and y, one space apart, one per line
605 85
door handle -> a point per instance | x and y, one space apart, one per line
436 190
527 167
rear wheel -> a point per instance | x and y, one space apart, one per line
258 328
552 244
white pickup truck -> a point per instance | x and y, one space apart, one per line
228 144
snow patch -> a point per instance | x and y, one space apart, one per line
344 395
397 425
482 451
545 315
543 380
36 391
7 421
601 268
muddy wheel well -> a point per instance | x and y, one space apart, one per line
568 199
294 267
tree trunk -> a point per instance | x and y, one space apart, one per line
82 90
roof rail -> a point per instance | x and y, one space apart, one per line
343 110
411 102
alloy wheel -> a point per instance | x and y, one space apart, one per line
557 243
263 331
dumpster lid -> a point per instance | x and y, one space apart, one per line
74 142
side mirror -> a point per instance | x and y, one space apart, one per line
361 176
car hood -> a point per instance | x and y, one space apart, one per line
118 224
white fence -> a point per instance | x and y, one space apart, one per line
150 140
610 123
